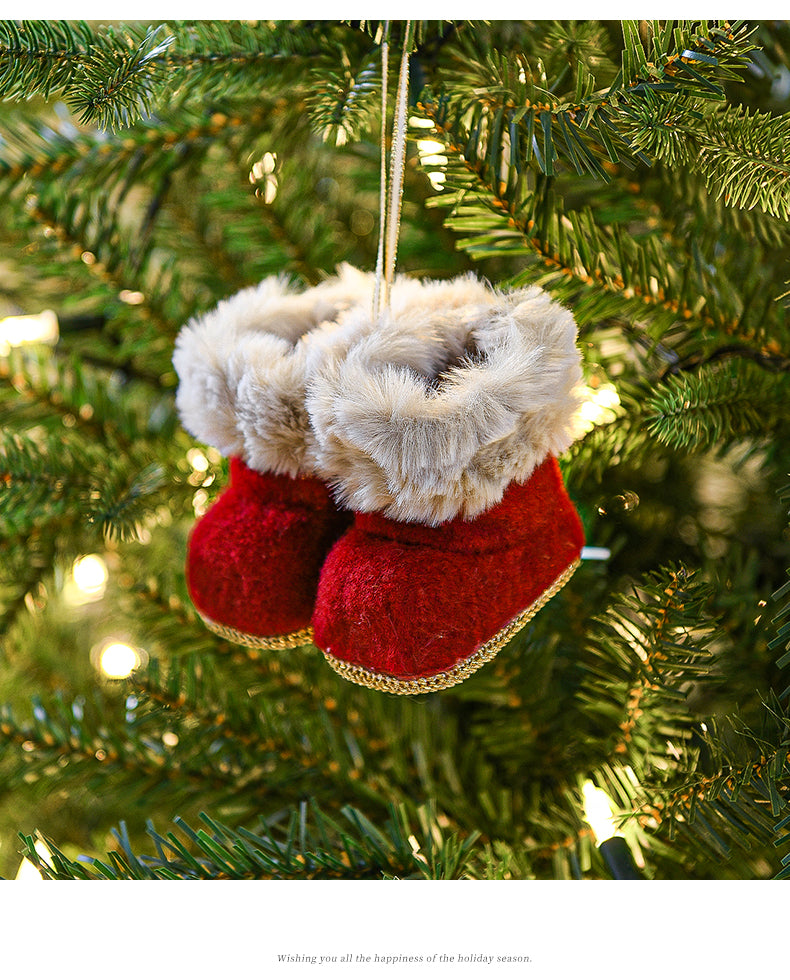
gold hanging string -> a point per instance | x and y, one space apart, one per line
383 173
398 159
389 218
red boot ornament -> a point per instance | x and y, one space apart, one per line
254 557
439 423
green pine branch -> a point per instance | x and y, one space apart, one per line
645 652
506 110
343 97
28 558
745 159
308 844
44 388
718 405
100 744
105 75
96 193
782 637
741 795
113 77
603 271
715 408
48 478
697 56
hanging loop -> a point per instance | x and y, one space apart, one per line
390 211
383 172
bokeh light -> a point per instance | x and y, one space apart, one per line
90 574
597 408
41 328
118 659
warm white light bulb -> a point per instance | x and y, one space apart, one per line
90 574
118 659
41 328
197 459
598 811
27 870
597 408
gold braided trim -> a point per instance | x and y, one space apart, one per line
289 641
464 668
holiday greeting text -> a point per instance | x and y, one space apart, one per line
391 959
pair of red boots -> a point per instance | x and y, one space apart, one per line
395 496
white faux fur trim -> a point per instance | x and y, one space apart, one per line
431 410
241 369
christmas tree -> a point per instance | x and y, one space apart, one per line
635 171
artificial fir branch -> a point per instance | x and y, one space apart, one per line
693 53
251 731
741 800
81 399
114 100
286 233
38 152
746 160
783 631
312 845
769 361
599 262
342 104
743 158
21 577
117 168
523 117
716 405
109 272
47 56
115 76
713 408
650 645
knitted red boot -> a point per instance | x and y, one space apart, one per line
254 558
440 427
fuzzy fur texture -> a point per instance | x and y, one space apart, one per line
431 410
242 367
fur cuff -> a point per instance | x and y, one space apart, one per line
241 369
429 412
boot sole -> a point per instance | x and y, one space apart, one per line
287 641
459 671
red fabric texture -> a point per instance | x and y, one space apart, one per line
410 601
254 557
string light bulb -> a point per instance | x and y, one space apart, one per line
117 659
39 328
597 408
90 574
87 580
27 870
598 812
